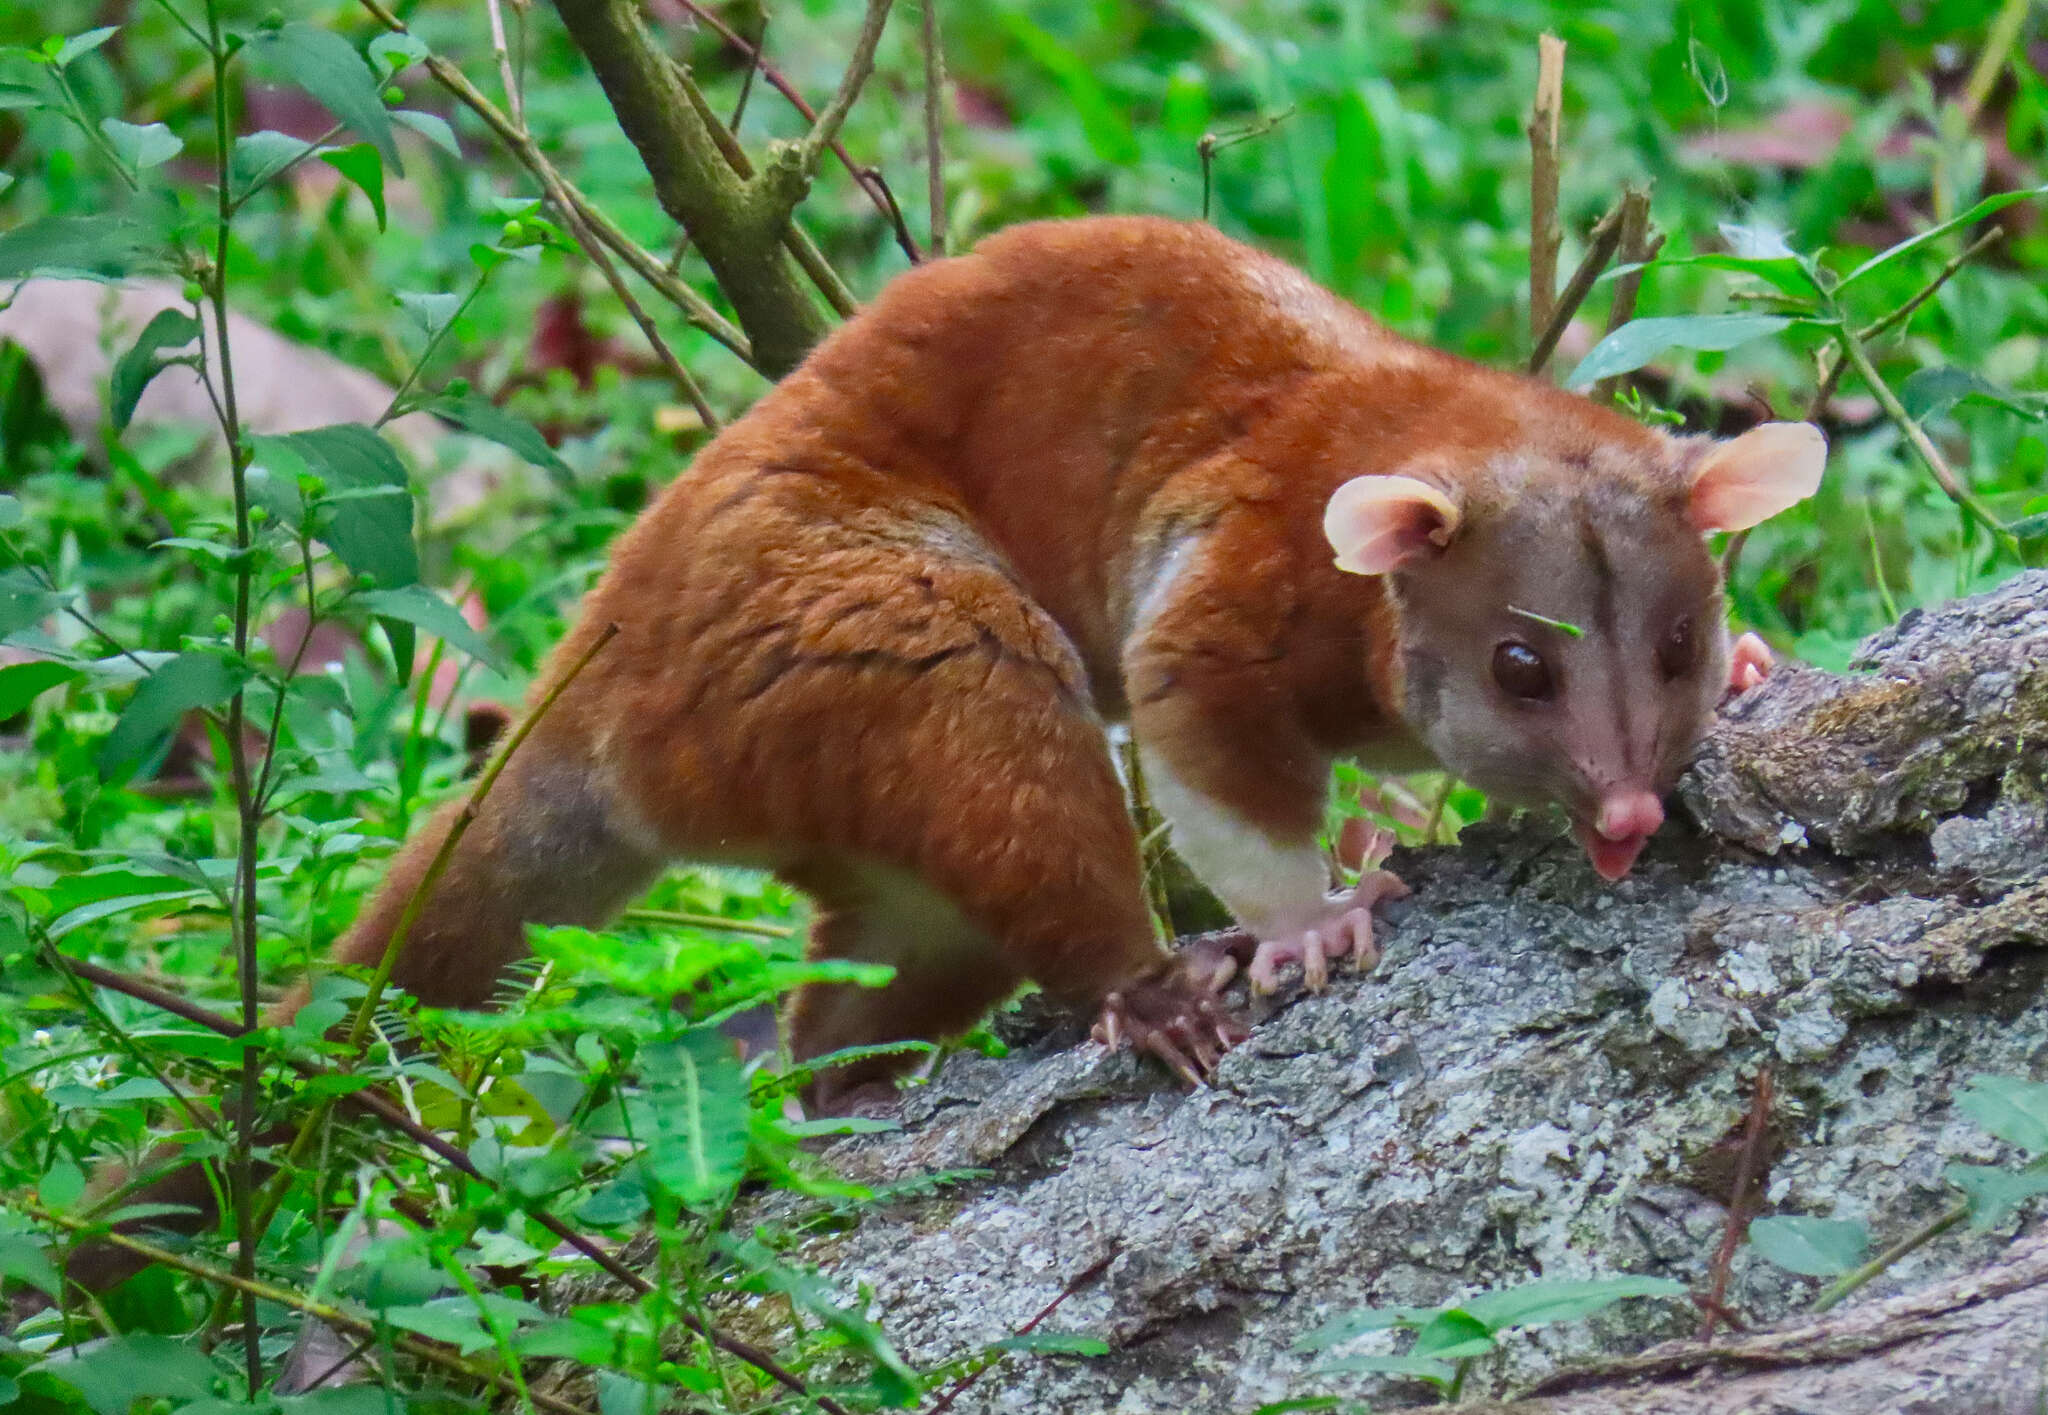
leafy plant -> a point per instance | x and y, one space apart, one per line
1450 1338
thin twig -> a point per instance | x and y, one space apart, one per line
1922 445
376 1103
1209 144
248 812
1074 1284
678 919
859 65
1605 238
758 48
1848 1282
1545 235
421 1349
594 249
1831 369
934 105
513 98
695 308
1928 291
1746 1165
866 178
1638 248
2004 33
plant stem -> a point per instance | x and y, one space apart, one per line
1848 1282
694 306
934 120
434 339
718 922
242 911
1599 251
1998 43
1545 236
1922 445
251 1289
381 1107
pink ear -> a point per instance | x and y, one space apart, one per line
1752 478
1377 524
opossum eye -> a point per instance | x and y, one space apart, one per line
1679 653
1522 673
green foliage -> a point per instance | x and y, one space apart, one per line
1814 1247
1448 1339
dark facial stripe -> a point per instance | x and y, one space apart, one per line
1607 627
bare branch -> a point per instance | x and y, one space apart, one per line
1544 234
739 235
858 66
934 112
870 181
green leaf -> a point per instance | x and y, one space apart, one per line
451 1319
327 66
22 601
391 53
142 145
1969 218
80 45
1053 1343
1453 1336
100 245
1788 274
694 1116
1358 1322
485 419
1994 1193
260 156
430 309
430 126
10 512
609 1205
1813 1247
14 97
1536 1304
167 329
22 683
371 534
416 604
361 165
1422 1368
1934 390
114 1373
1641 340
811 1294
2014 1110
26 1261
191 680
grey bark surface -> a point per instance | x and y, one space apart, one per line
1546 1077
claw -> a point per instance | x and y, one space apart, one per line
1315 966
1174 1019
1749 663
1346 928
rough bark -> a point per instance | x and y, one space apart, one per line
1546 1078
738 228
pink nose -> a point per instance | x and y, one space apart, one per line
1627 815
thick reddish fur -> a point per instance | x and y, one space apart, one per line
876 624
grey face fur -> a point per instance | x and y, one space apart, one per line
1627 697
